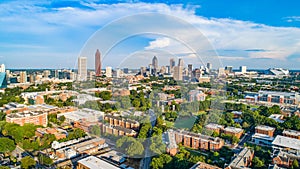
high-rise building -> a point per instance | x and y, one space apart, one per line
209 66
177 73
181 63
190 70
23 77
98 63
243 69
2 68
46 73
82 68
172 64
155 64
108 72
32 78
228 69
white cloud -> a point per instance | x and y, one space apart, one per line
67 23
158 43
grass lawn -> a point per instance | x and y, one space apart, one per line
185 122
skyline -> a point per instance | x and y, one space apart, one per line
51 34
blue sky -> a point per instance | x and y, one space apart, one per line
51 34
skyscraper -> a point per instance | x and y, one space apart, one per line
172 64
190 70
98 63
23 77
243 69
108 71
2 68
209 66
181 63
82 68
155 64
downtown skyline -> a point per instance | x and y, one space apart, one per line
54 32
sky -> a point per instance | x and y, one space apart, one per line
53 34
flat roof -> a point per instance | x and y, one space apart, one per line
263 137
287 142
267 128
214 126
96 163
233 129
291 132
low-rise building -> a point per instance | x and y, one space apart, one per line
267 130
58 133
291 133
196 95
86 114
238 132
21 118
119 121
201 165
198 141
170 141
242 160
118 130
215 127
93 162
279 97
262 139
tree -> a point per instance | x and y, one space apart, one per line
45 160
6 145
96 130
295 164
27 162
257 163
4 167
135 149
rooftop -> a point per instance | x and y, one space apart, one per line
267 128
287 142
214 126
263 137
233 129
238 161
291 132
25 114
96 163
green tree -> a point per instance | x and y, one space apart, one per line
135 149
45 160
257 163
27 162
96 130
6 145
295 164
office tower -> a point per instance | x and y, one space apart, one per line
243 69
190 70
155 63
32 78
119 73
221 72
172 64
91 75
181 63
82 68
46 73
143 70
125 70
23 77
228 69
98 63
163 70
2 68
8 76
209 66
168 69
177 73
108 72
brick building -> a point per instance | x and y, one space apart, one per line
119 121
242 160
36 118
201 165
198 141
118 130
291 133
215 127
266 130
238 132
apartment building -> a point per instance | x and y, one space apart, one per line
291 133
266 130
242 160
119 121
238 132
118 130
33 117
215 127
198 141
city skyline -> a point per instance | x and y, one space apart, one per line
235 35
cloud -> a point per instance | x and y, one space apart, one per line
292 19
158 43
69 26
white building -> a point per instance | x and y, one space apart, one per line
2 68
108 71
93 162
82 68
